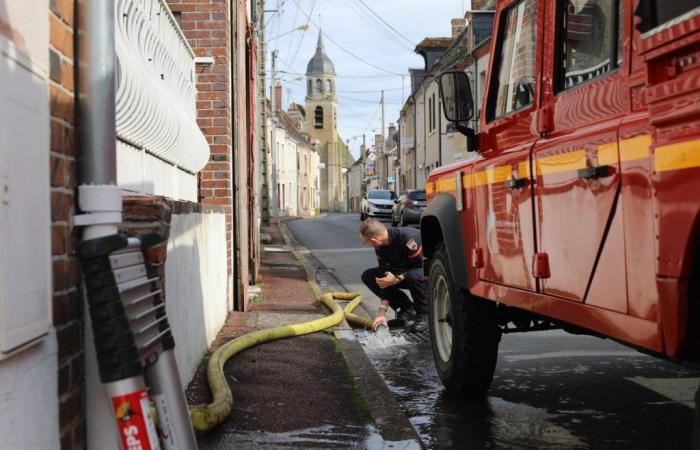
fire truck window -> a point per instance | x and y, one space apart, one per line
589 37
653 13
516 59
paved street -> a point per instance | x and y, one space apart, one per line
551 389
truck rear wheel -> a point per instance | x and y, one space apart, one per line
464 333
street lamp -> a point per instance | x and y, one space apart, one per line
299 28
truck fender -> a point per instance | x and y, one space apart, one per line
440 222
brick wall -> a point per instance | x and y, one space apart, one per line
207 25
68 304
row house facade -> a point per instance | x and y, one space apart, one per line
171 130
427 140
295 162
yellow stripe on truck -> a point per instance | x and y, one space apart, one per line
635 148
677 156
667 157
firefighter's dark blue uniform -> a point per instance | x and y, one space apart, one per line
403 256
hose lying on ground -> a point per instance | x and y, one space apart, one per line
206 417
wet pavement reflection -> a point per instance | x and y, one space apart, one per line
551 390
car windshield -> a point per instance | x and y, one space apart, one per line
418 196
381 195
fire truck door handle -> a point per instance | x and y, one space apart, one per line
515 183
595 172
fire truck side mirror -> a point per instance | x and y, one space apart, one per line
458 103
456 94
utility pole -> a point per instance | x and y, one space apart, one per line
273 79
382 120
384 159
266 145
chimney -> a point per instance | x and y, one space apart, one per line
458 25
483 5
392 129
378 141
277 97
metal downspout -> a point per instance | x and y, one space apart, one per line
235 254
99 197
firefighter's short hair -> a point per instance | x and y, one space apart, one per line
371 228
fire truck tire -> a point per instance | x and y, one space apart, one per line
464 332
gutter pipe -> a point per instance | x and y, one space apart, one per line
98 195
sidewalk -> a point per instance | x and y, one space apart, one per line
313 391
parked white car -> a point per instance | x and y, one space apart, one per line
377 204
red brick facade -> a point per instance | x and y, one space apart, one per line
207 25
225 117
68 303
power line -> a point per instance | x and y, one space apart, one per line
337 76
369 125
362 14
303 35
341 47
386 23
294 26
362 100
369 92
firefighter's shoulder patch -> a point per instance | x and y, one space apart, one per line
412 245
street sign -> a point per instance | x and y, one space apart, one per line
390 179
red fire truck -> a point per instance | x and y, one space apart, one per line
580 207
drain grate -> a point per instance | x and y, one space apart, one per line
421 337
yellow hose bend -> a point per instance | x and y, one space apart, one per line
207 416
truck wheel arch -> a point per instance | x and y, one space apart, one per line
440 223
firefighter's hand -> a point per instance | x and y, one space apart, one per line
379 320
388 280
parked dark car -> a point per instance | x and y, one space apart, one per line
377 204
408 207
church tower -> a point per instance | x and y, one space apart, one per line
322 125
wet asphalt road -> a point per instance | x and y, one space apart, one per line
551 390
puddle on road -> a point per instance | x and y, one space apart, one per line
323 437
445 422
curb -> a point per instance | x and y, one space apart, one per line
384 410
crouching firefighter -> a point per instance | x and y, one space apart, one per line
399 255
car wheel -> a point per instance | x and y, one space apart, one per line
464 333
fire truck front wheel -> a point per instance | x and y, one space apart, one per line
464 332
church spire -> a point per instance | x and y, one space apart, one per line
320 63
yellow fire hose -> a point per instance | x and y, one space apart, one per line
206 417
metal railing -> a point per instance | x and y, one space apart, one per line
156 91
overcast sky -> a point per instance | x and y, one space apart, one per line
362 34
